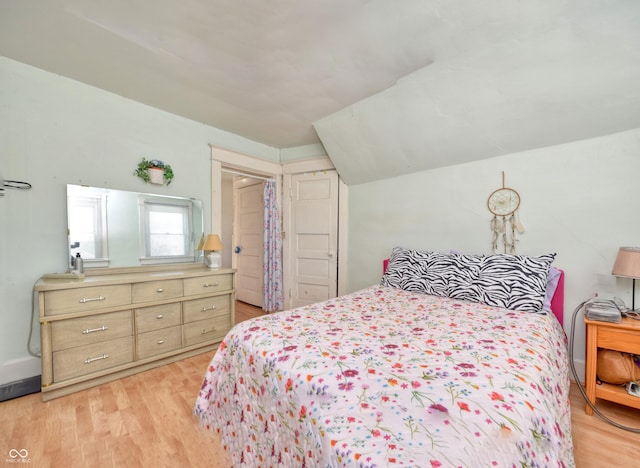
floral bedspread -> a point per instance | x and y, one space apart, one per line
385 377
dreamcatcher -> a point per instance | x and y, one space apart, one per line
504 203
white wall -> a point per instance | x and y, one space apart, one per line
579 200
55 131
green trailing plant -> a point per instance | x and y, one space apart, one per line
141 170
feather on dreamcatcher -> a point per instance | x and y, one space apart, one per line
504 204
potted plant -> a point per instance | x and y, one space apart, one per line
154 171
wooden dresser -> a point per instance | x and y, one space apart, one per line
107 326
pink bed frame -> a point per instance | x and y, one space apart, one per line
557 301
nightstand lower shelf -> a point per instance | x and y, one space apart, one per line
623 337
617 394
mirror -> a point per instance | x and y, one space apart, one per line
116 228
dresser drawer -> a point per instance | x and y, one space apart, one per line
156 317
86 299
82 360
86 330
206 330
199 309
156 290
158 342
208 284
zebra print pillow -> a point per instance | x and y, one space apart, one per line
514 282
418 271
552 284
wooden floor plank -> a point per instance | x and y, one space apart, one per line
146 420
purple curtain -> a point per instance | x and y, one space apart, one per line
273 298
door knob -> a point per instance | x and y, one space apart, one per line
237 249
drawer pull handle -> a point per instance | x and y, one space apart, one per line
205 331
205 308
160 341
91 359
159 316
210 285
92 299
160 290
91 330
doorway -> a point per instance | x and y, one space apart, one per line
243 230
247 239
221 216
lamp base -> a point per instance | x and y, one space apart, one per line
212 259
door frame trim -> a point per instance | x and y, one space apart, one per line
222 157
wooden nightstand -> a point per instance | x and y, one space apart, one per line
623 336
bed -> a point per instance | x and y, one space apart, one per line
414 371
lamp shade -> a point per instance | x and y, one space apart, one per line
627 262
212 243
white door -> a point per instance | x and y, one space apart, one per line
313 237
248 243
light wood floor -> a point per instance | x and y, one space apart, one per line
145 420
246 311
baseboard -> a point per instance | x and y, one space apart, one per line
20 388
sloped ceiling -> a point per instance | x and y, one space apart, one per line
559 73
388 87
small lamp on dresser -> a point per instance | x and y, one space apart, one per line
212 247
627 265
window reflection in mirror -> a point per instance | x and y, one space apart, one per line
117 228
165 228
87 220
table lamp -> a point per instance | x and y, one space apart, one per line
627 265
211 248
